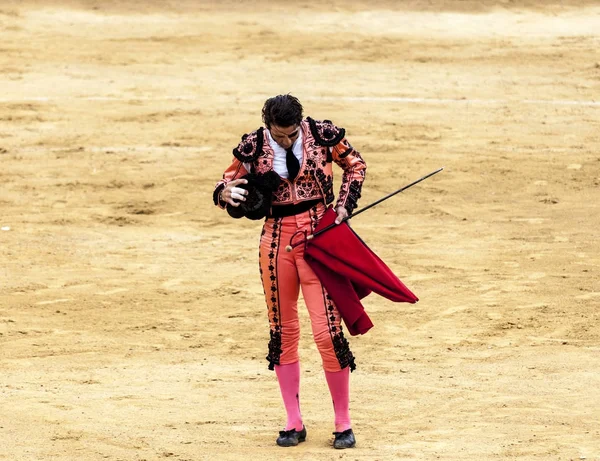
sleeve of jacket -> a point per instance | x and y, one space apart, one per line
350 160
244 154
235 171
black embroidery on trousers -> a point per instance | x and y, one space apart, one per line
273 296
340 343
274 349
343 352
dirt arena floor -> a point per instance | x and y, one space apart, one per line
132 320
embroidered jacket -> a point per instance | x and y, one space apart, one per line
323 142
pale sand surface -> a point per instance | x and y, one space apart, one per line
132 320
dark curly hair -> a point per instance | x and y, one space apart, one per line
283 110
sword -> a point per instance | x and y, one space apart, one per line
291 246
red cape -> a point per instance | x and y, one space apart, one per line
349 271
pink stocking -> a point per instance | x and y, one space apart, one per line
289 384
339 387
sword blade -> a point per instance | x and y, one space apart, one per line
377 202
371 205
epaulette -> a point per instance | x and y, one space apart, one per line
250 146
325 132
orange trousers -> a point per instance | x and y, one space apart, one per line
283 275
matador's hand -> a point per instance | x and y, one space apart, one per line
342 213
231 192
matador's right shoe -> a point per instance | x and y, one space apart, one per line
291 438
344 439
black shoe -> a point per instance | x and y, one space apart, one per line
344 439
291 438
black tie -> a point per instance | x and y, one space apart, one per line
293 165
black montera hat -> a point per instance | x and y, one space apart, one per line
260 189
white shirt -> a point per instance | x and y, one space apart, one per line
279 163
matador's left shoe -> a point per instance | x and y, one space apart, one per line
344 439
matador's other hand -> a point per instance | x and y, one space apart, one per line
233 194
342 213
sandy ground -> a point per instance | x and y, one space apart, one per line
132 321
